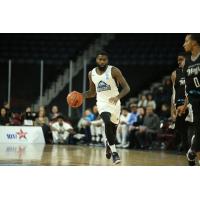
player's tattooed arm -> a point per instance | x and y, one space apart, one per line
117 75
92 90
173 106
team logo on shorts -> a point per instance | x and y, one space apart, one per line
102 86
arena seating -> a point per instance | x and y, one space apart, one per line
145 49
26 51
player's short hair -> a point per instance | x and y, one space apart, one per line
195 37
103 53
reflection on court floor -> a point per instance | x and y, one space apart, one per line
36 154
21 153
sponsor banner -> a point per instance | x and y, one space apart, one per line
21 135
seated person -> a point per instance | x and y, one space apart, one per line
151 102
95 112
61 131
149 129
134 127
84 125
133 114
142 102
97 130
96 125
54 113
6 105
15 119
29 117
122 128
43 121
4 119
164 113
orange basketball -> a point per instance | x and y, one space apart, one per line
74 99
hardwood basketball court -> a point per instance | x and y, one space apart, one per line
66 155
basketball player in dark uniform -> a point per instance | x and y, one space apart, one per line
178 99
103 83
192 80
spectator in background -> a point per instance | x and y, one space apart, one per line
148 130
4 119
84 124
89 115
143 101
133 115
43 121
151 102
42 108
133 128
158 95
61 131
164 114
97 128
6 105
28 117
54 113
95 112
167 91
132 118
141 114
122 128
16 119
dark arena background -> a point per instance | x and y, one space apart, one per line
37 71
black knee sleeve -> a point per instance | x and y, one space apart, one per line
106 117
110 128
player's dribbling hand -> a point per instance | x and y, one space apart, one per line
114 100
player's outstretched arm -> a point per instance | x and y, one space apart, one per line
117 75
92 90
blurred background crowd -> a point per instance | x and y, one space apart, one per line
145 122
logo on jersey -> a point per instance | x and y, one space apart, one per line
193 70
102 86
182 81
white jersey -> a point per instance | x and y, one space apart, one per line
106 87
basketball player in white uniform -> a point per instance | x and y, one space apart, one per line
103 82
